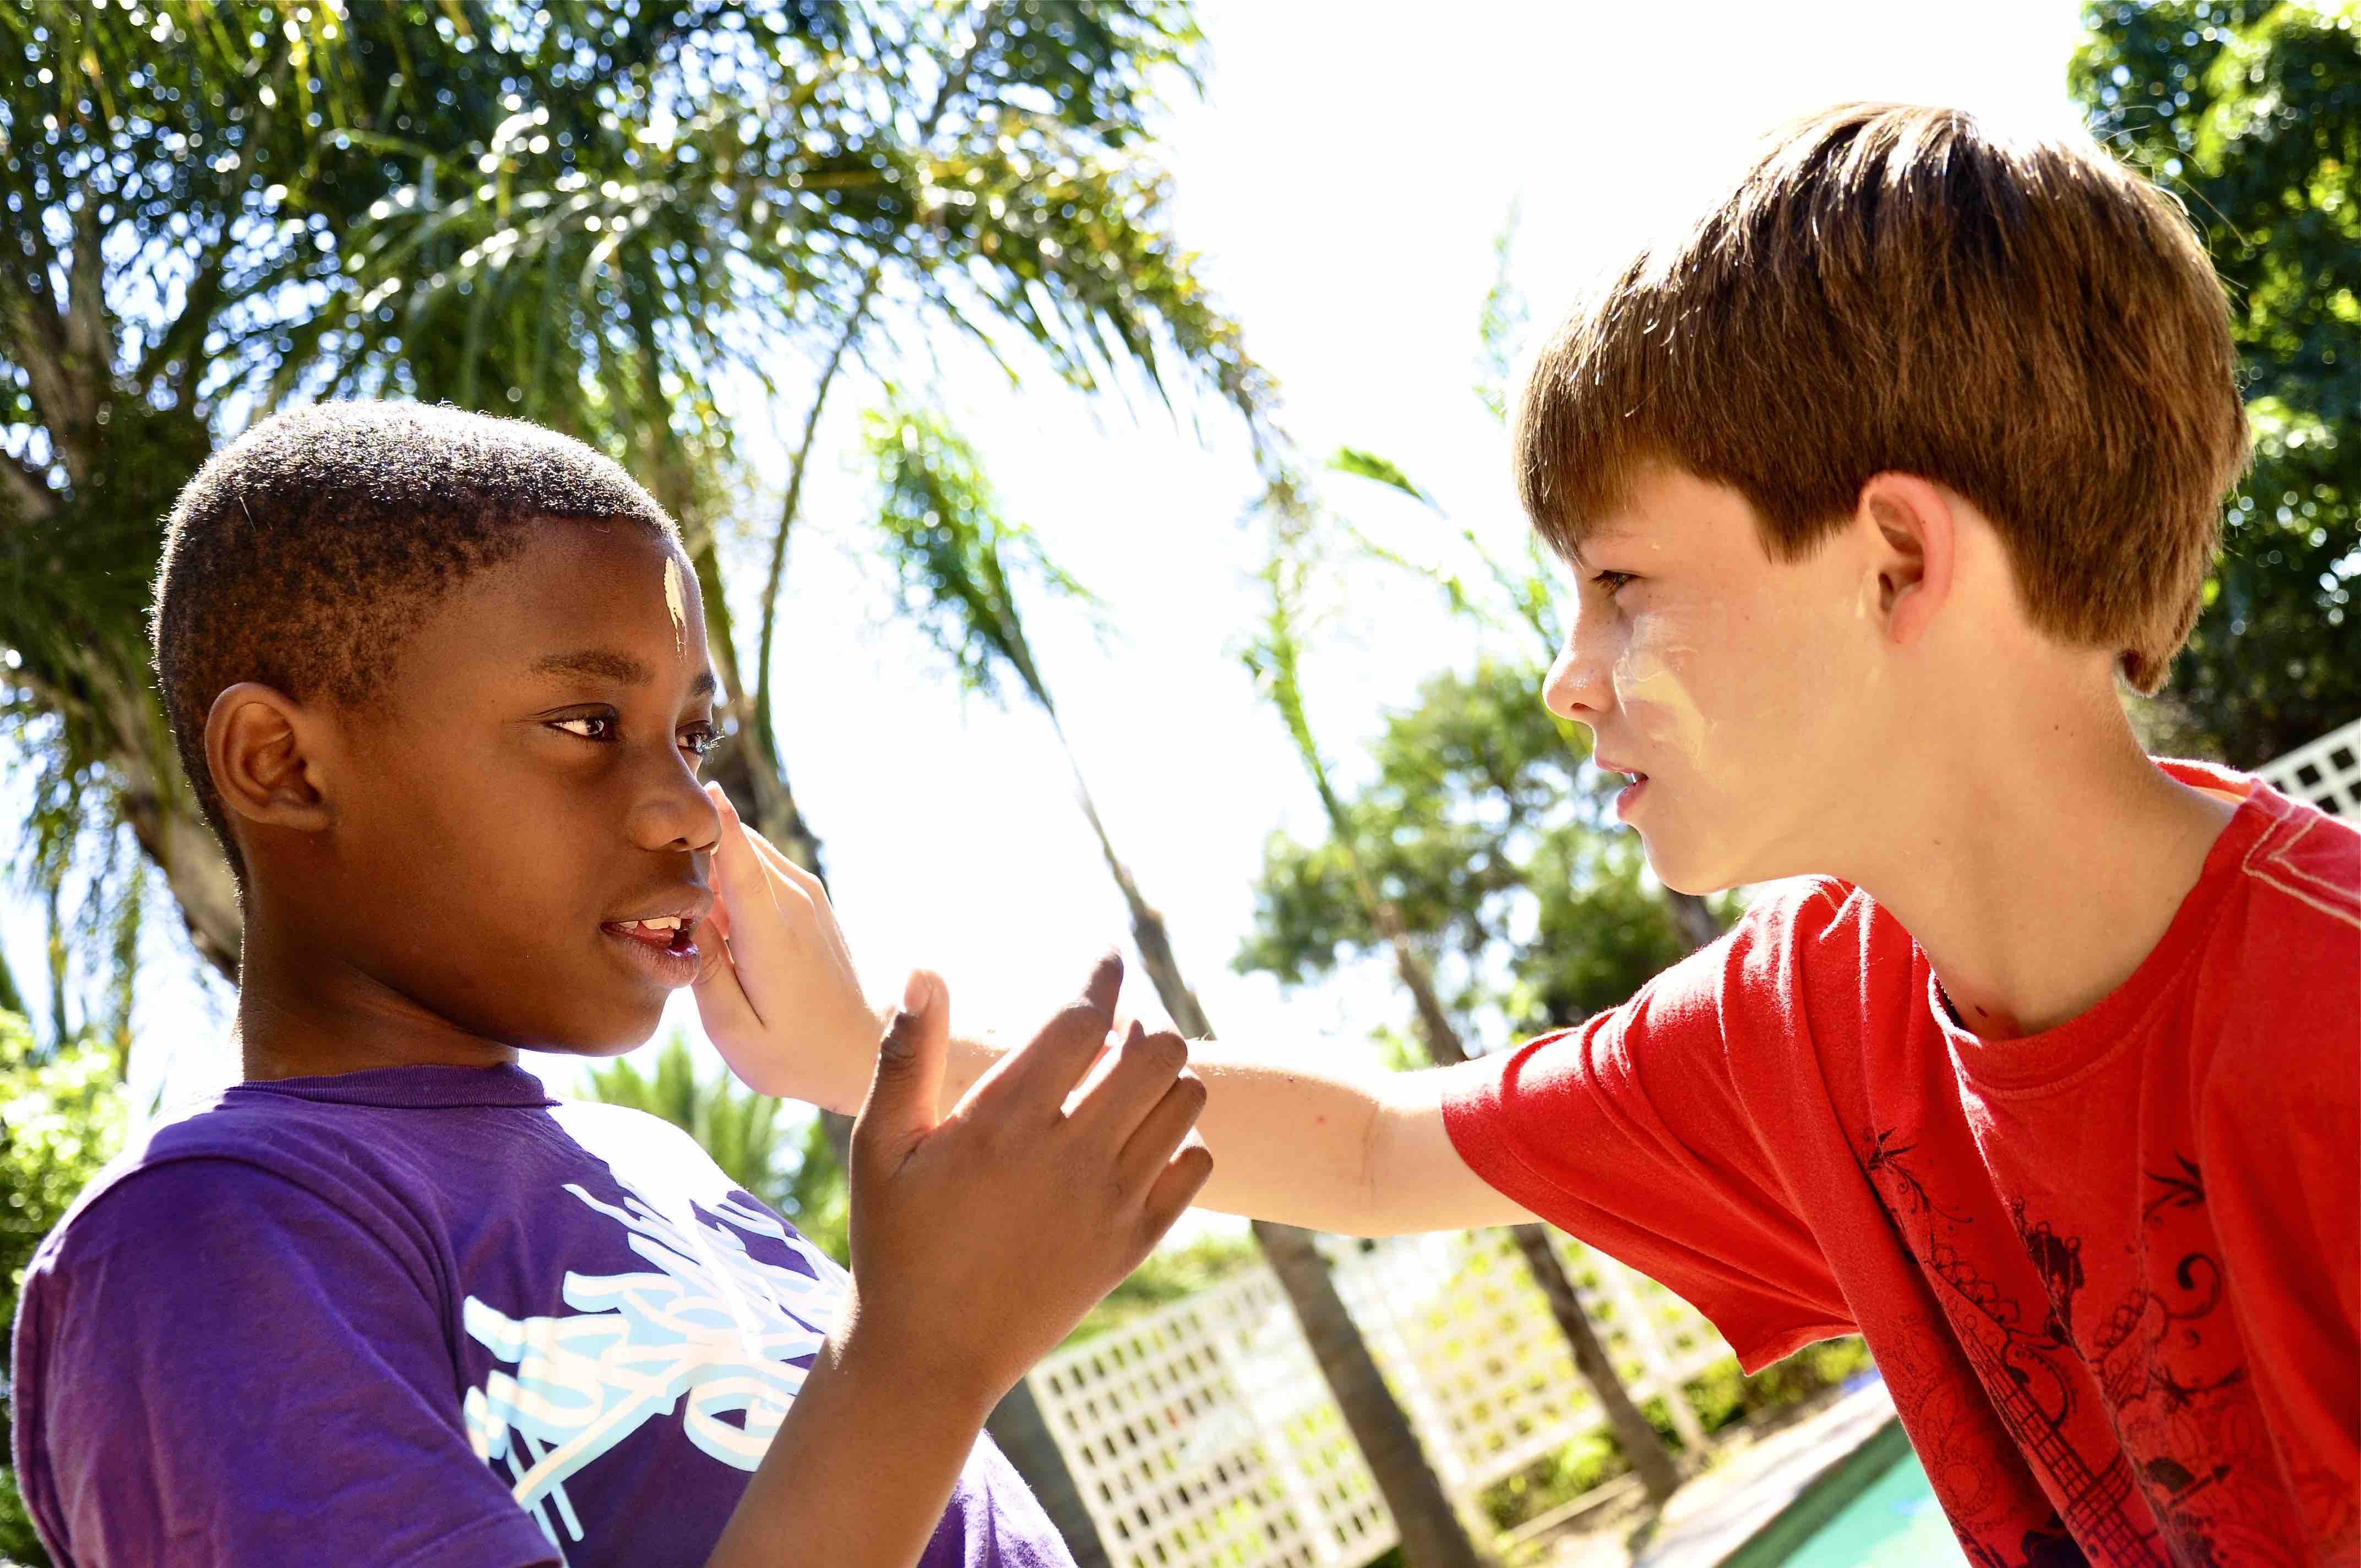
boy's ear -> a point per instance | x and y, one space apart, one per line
265 752
1915 550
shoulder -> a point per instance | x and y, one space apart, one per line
2303 871
643 1151
225 1184
2282 973
1797 930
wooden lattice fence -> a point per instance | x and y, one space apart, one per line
1200 1436
2327 773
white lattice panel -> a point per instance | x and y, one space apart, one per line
1202 1434
2327 773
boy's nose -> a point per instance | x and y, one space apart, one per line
675 814
1577 688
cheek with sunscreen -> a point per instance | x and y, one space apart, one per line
1647 688
677 602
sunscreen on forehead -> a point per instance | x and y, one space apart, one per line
677 601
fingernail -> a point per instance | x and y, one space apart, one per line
1136 1033
914 993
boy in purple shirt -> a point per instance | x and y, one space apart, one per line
440 682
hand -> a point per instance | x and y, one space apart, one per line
778 992
978 1240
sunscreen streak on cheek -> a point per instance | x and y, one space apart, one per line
1644 681
677 603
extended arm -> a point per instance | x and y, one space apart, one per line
1358 1152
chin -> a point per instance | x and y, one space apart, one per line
610 1033
1680 868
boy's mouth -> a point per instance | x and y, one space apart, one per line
670 933
663 947
1630 794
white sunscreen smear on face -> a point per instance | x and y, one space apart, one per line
1648 682
678 602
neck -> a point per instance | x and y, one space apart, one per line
305 1012
2041 859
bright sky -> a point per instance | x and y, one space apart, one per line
1343 181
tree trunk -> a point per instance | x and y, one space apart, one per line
1431 1533
745 766
1022 1432
1693 918
1642 1445
161 809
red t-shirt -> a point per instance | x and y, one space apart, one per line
2112 1272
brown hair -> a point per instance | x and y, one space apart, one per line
1891 288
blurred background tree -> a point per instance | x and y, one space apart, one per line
957 562
61 1117
1482 830
590 216
2251 112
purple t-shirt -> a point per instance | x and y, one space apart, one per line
427 1315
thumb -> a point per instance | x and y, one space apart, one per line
900 1110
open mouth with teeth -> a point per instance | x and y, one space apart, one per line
672 933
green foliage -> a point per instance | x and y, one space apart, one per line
582 213
2251 112
61 1117
1501 323
1723 1395
818 1198
1171 1274
1379 469
1483 829
956 561
737 1126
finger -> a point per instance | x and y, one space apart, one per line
1038 1077
900 1110
1142 1071
778 861
1160 1132
1184 1177
1102 1063
774 860
762 941
721 998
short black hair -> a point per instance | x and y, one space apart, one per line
305 551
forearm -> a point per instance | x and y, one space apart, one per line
859 1471
1355 1151
1291 1143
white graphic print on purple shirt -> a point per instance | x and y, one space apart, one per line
709 1331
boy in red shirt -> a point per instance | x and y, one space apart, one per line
2043 1075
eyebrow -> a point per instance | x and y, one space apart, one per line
608 665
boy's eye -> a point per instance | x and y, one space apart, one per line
1609 582
698 740
590 725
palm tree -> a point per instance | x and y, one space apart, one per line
581 214
1274 659
960 561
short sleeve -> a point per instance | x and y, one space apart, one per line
215 1367
1628 1134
